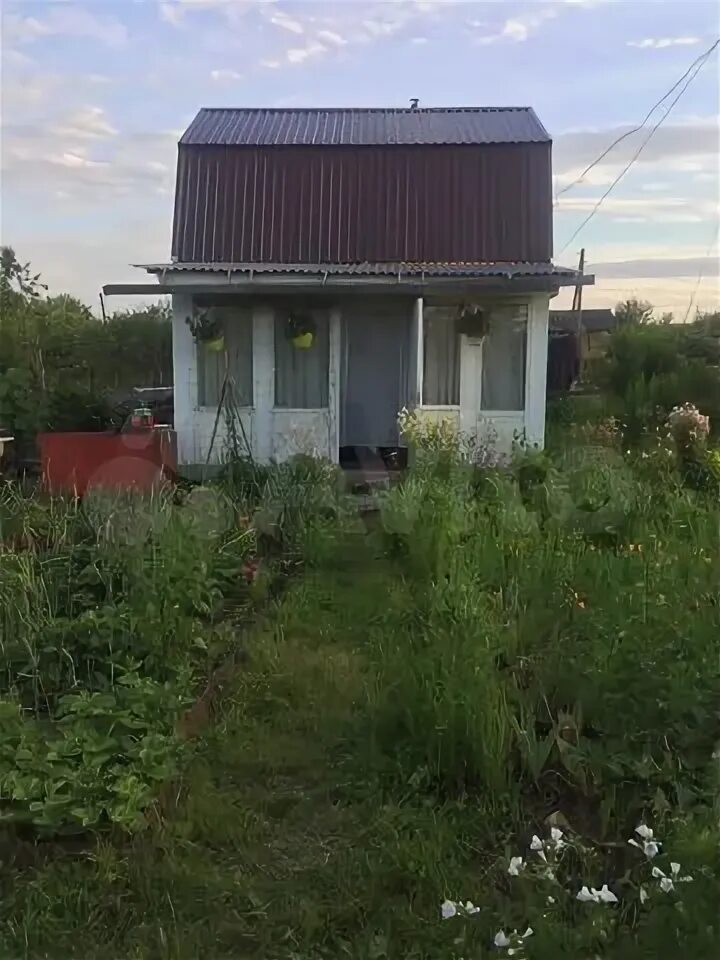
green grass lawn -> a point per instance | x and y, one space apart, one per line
487 658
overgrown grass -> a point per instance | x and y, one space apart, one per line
501 651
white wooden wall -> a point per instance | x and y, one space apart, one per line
503 426
276 433
273 433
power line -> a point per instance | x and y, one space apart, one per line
639 150
650 112
701 271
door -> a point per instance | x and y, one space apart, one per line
374 374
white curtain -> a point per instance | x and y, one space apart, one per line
236 354
441 357
504 353
301 375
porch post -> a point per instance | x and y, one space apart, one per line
536 371
334 384
416 355
185 397
263 381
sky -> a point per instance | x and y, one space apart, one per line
96 94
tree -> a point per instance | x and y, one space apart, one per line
16 281
634 312
58 363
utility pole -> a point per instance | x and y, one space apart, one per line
577 310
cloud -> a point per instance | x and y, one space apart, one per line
518 29
172 13
334 39
15 58
86 158
675 145
79 263
665 293
64 20
643 209
285 22
271 64
657 267
86 123
651 43
225 76
418 40
301 54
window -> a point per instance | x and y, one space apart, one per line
504 353
234 356
441 358
301 374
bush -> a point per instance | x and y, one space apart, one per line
538 629
651 369
107 613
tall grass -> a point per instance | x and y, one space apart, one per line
547 624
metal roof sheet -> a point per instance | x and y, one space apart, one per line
385 269
593 321
364 127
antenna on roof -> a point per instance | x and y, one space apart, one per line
414 103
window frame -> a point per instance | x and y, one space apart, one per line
225 313
320 316
451 321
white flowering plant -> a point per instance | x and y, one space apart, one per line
560 897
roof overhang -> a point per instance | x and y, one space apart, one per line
384 277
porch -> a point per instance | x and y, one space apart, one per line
370 356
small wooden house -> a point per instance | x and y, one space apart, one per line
331 267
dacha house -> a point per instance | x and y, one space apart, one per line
330 267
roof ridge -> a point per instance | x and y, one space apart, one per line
485 109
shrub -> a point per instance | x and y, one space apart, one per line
107 614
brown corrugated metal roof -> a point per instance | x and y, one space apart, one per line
384 269
364 127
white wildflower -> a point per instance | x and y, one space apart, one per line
667 883
536 843
550 900
516 865
448 909
649 845
585 896
644 895
675 871
593 895
514 942
605 895
470 908
556 835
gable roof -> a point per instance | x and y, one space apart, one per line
368 126
593 321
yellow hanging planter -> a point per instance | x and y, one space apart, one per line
216 345
303 341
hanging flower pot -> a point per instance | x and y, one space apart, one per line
216 344
472 321
207 328
303 341
300 330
